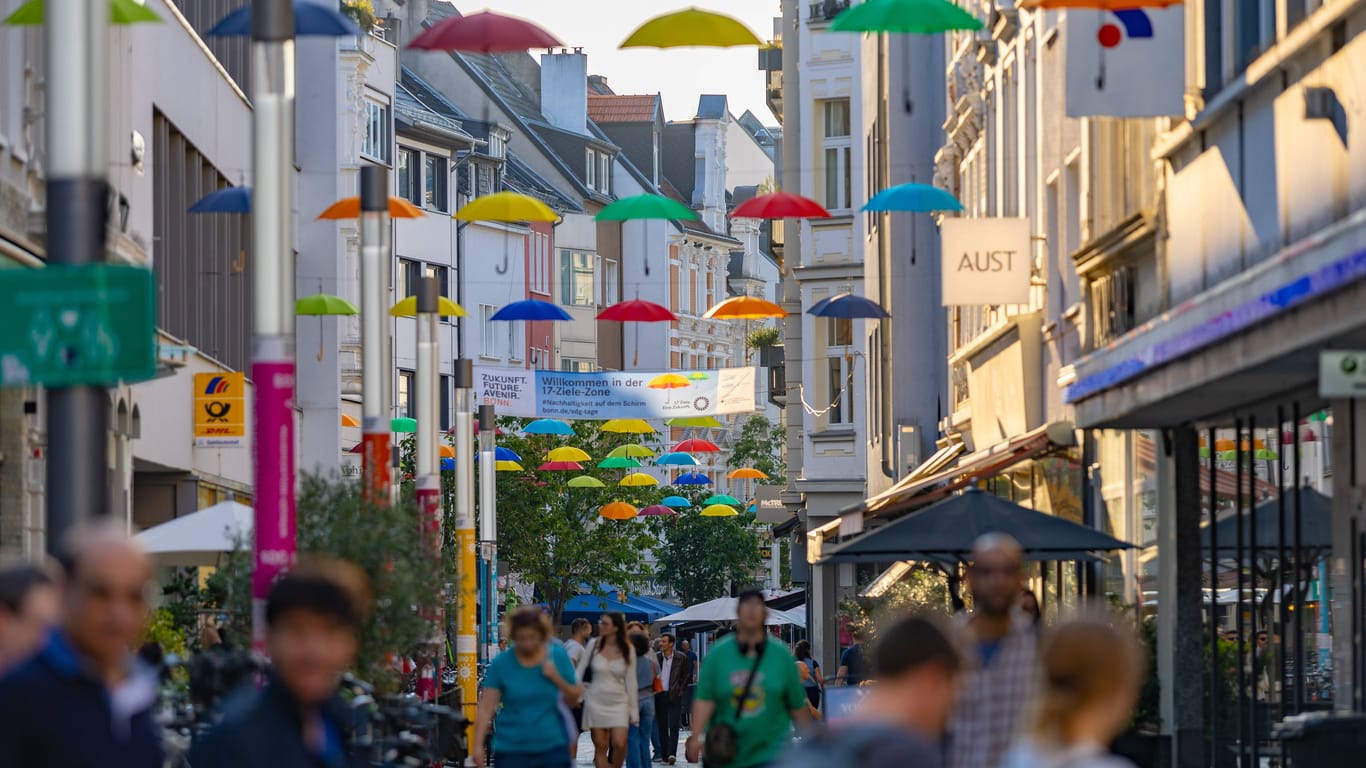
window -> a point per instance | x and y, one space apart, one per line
408 273
838 154
442 275
576 279
841 404
498 145
406 403
434 181
488 326
483 180
540 263
516 341
604 173
377 143
839 331
591 175
1113 309
576 366
692 280
609 283
445 414
407 175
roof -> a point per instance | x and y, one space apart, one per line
411 110
712 107
622 109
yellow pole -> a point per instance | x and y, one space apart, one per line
466 638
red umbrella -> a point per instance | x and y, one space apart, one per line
780 205
484 32
696 445
561 466
637 311
655 510
357 448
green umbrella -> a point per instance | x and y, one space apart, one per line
618 462
120 12
708 422
920 17
722 498
586 481
324 304
403 425
646 207
632 451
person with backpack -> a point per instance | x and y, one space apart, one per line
811 680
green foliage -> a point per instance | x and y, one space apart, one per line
164 630
761 445
764 336
701 557
1148 711
924 589
360 11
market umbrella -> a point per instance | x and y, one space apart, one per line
561 466
637 311
646 207
531 309
632 451
120 12
1316 524
349 421
701 422
692 478
697 445
719 510
444 306
722 498
922 198
618 462
484 32
403 425
638 480
923 17
323 304
655 510
586 481
780 205
628 426
676 501
722 610
691 27
505 454
506 206
199 538
446 451
349 208
548 427
848 306
310 20
745 308
226 200
568 453
507 466
677 460
669 381
618 510
746 473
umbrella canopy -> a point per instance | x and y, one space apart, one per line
444 306
745 308
199 537
120 12
506 206
484 32
632 451
780 205
1316 524
618 462
586 481
722 498
357 448
697 445
561 466
618 510
349 208
505 454
628 426
950 527
446 451
689 28
746 473
568 453
349 421
656 510
849 306
638 480
669 381
637 311
913 197
324 304
592 607
921 17
548 427
646 207
699 376
722 610
508 466
705 422
676 501
310 20
229 200
531 309
692 478
447 465
403 425
677 460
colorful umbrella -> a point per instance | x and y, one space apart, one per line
656 510
349 208
921 198
722 498
120 12
702 422
586 481
324 304
447 451
745 308
447 465
921 17
507 466
227 200
403 425
505 454
618 462
561 466
697 445
506 206
676 501
357 448
349 421
637 311
628 426
669 381
444 306
618 510
484 32
848 306
531 309
719 510
310 20
1104 5
746 473
548 427
638 479
691 27
632 451
677 460
692 478
646 207
780 205
698 376
568 453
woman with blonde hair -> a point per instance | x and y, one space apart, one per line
1092 672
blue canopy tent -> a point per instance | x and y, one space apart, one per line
653 608
591 607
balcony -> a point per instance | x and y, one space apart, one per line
771 58
826 10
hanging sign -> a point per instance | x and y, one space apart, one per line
220 409
985 261
1120 63
615 394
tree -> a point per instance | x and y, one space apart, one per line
700 557
761 445
924 589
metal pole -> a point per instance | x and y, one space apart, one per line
428 467
488 522
1298 574
376 365
77 204
466 631
272 364
1215 672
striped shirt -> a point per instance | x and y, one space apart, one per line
992 696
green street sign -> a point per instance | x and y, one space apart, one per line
93 324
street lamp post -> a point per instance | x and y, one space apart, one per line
428 469
466 630
488 524
376 366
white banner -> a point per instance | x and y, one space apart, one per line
1129 63
985 261
615 394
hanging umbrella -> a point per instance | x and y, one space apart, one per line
561 466
628 426
568 453
780 205
618 510
693 27
719 510
745 308
446 452
677 460
848 306
692 478
669 381
586 481
227 200
349 208
632 451
484 32
697 445
447 465
699 376
444 306
403 425
324 304
310 20
531 309
548 427
646 207
637 311
702 422
618 462
722 498
506 206
638 480
505 454
746 473
1104 5
507 466
676 501
656 510
913 197
922 17
357 448
349 421
120 12
1316 523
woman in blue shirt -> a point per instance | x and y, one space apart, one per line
528 680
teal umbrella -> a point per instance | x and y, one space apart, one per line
618 462
403 425
918 17
646 207
722 498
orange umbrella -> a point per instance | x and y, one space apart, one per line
747 473
618 510
349 208
447 452
669 381
349 421
745 308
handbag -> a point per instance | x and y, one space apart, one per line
722 744
588 672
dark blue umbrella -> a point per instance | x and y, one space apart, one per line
448 464
921 198
692 478
229 200
848 306
505 454
310 19
531 309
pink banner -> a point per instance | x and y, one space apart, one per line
274 444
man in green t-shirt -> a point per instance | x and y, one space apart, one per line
775 699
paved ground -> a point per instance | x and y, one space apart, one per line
586 750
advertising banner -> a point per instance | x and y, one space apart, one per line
1126 63
615 394
220 409
769 505
985 261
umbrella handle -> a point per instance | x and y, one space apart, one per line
320 338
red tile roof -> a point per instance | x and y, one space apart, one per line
621 109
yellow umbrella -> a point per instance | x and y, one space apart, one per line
631 451
507 466
746 473
638 479
691 27
618 510
629 426
708 422
719 510
349 421
669 381
568 453
745 308
349 208
506 206
444 306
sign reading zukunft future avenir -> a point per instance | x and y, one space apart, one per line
985 261
614 394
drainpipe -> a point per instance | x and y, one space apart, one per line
884 257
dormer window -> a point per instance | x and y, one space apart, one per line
498 143
598 171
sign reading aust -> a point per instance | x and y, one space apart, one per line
986 261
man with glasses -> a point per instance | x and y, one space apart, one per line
1000 679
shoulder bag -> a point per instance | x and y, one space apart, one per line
722 744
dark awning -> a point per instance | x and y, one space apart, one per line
1316 524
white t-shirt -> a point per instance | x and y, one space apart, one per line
666 669
575 650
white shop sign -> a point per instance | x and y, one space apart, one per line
985 261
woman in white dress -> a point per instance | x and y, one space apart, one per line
611 703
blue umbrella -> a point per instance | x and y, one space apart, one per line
548 427
310 19
913 197
531 309
849 306
677 460
230 200
505 454
692 478
448 464
676 501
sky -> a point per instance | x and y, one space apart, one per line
680 75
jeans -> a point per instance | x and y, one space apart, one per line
654 731
637 747
555 758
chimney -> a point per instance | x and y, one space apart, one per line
564 90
